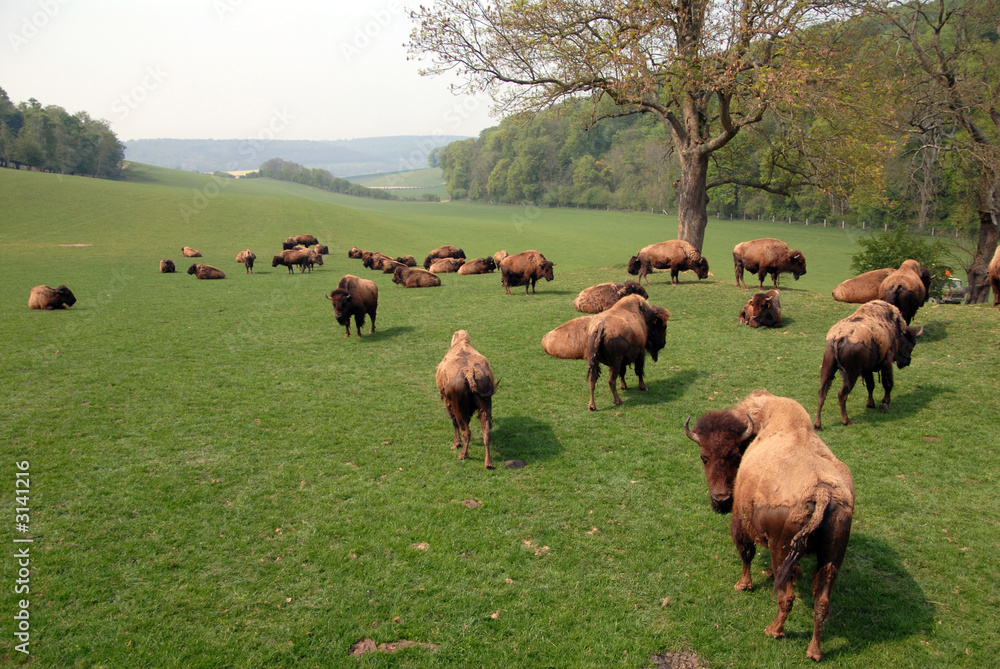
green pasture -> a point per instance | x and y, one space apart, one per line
411 184
219 478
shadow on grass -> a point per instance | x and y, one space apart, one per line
933 331
523 438
387 333
670 389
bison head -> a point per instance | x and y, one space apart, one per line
723 437
633 288
66 296
193 268
634 265
341 303
907 340
275 261
701 268
490 264
796 264
656 331
355 253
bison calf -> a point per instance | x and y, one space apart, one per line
466 384
354 297
49 298
762 310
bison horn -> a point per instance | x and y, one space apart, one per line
329 297
747 433
693 436
919 332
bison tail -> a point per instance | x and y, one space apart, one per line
591 350
798 543
480 382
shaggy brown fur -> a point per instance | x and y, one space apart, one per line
409 261
676 255
190 252
906 288
478 266
447 251
993 274
762 310
313 257
246 257
374 260
49 298
868 341
787 491
466 384
446 265
766 256
414 277
354 297
290 258
167 266
355 252
597 298
862 288
206 271
304 240
499 256
322 249
524 269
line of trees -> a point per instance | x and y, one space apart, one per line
50 139
283 170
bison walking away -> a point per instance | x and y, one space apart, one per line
676 255
906 288
524 269
354 297
862 288
597 298
414 277
447 251
868 341
190 252
246 258
993 274
49 298
466 383
762 310
766 256
206 271
786 490
167 266
477 266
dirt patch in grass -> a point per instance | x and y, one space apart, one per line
681 660
76 245
368 646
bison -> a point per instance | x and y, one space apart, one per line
374 260
409 261
620 336
597 298
766 256
868 341
993 275
49 298
356 253
206 271
786 490
906 288
762 310
447 251
478 266
446 265
414 277
499 256
167 266
862 288
524 269
354 297
313 257
190 252
246 257
466 384
676 255
322 249
304 240
292 257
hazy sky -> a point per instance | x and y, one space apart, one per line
231 69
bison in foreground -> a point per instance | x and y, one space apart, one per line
993 276
868 341
906 288
676 255
447 251
206 271
597 298
414 277
766 256
167 266
524 269
190 252
49 298
246 258
786 490
862 288
354 297
478 266
762 310
466 384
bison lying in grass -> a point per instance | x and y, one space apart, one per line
206 271
762 310
414 277
862 288
354 297
49 298
478 266
597 298
786 490
189 252
446 265
167 266
447 251
466 384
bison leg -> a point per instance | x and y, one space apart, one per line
612 382
675 277
827 373
621 376
640 371
593 372
887 383
359 320
849 380
486 420
371 314
869 379
746 549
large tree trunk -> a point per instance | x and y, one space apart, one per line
979 285
692 197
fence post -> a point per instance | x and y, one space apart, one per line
886 227
863 223
824 222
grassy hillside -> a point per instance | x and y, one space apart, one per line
409 184
218 477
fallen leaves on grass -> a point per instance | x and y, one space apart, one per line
368 646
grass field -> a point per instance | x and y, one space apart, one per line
219 478
413 184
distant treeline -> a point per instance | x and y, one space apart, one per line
282 170
50 139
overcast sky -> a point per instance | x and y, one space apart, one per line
231 69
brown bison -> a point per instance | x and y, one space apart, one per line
49 298
862 288
466 384
246 258
597 298
190 252
447 251
676 255
206 271
499 256
766 256
313 257
304 240
620 336
762 310
291 258
322 249
446 265
869 340
374 260
414 277
993 275
409 261
524 269
355 253
167 266
786 490
478 266
354 297
906 288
